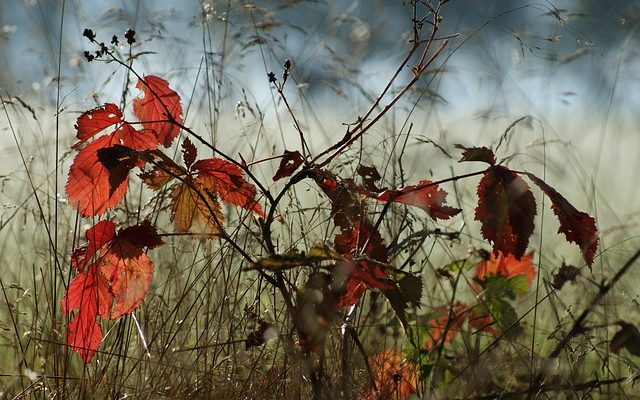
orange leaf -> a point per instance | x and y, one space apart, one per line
152 109
225 179
394 375
507 266
450 321
196 209
129 271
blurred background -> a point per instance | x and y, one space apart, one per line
567 71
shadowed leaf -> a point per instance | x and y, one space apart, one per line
483 154
506 208
290 161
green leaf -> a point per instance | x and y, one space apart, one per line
499 286
459 265
504 315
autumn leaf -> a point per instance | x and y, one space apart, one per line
443 329
483 154
506 208
158 109
225 179
189 152
507 266
114 276
196 209
395 376
577 226
96 120
425 195
89 187
291 160
89 293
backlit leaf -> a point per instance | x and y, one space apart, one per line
225 179
159 106
394 374
577 226
89 187
425 195
196 209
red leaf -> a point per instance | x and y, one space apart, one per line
89 187
507 266
97 236
425 195
101 118
483 154
225 179
93 121
291 160
152 109
89 293
506 208
129 271
578 227
121 271
189 152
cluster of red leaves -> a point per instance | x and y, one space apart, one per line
195 207
113 276
506 209
91 186
113 271
394 375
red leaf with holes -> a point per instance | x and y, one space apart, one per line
93 121
425 195
158 109
291 160
577 226
112 267
506 208
92 187
225 179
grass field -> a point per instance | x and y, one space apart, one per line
193 334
